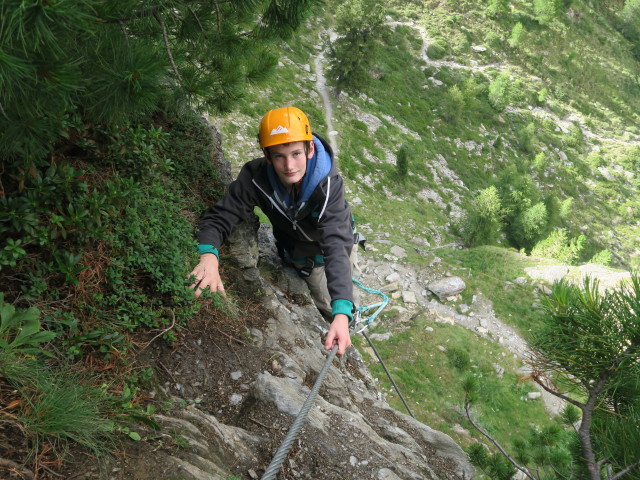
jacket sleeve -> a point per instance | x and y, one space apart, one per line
217 221
336 241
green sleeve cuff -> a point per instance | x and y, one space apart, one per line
342 306
202 249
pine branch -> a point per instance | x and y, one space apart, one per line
204 32
218 14
165 36
625 470
538 380
497 445
4 114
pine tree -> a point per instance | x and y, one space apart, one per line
592 339
358 25
65 62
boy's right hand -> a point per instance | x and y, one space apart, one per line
206 275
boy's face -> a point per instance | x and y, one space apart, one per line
289 161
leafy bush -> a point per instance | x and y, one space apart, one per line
402 161
603 257
438 49
530 226
559 246
481 224
546 11
500 91
497 8
454 106
517 35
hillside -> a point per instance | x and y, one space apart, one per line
99 241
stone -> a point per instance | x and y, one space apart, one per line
533 395
390 287
380 336
479 48
447 287
409 297
398 251
236 375
235 399
393 277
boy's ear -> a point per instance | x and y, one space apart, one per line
265 151
312 150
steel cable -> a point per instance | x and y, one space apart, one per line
285 446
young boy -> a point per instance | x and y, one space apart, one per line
297 185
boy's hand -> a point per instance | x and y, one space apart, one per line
206 275
338 334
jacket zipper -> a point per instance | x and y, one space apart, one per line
294 222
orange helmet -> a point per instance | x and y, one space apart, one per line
284 125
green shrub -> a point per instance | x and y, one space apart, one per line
525 137
454 105
481 224
438 49
500 91
517 35
558 246
603 257
402 161
546 11
530 226
497 8
459 359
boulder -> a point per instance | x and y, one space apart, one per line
447 287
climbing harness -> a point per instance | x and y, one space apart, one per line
359 325
283 451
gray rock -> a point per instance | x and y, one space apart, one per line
447 287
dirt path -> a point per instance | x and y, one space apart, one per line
321 87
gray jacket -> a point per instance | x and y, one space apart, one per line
322 225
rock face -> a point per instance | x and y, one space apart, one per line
447 287
350 431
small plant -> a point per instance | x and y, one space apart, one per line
20 329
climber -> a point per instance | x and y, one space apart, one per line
298 187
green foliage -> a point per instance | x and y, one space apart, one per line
494 466
630 23
546 11
402 161
517 35
498 8
454 107
526 137
500 92
603 257
54 406
115 62
530 225
558 245
438 49
20 329
352 54
593 337
482 223
459 358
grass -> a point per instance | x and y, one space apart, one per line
430 366
58 406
